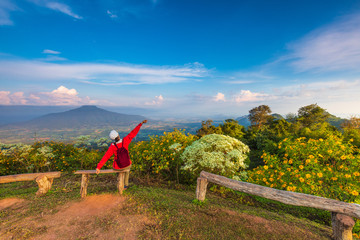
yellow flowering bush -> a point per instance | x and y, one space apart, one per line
323 167
161 154
216 153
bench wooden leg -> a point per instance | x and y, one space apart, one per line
201 188
342 226
44 184
84 184
121 182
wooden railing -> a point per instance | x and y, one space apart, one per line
341 212
44 180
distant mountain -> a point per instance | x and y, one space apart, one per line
244 120
83 117
10 114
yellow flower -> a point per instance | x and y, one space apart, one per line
356 174
330 151
290 161
266 167
301 179
307 161
355 193
285 162
264 179
347 175
308 176
319 174
334 178
301 167
271 179
311 156
343 157
284 185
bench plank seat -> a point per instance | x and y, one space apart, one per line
101 171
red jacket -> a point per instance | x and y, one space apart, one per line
113 150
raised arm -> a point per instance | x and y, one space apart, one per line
135 131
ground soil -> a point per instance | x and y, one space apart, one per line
95 217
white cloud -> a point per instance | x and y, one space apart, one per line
157 101
5 97
59 96
111 14
6 6
331 48
56 6
97 73
48 51
248 96
220 97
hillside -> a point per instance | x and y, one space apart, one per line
90 117
148 211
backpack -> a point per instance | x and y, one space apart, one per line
122 157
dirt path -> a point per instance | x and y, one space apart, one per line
96 217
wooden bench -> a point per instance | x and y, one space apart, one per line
44 180
86 175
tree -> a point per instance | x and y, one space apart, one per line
232 128
311 115
208 128
352 123
260 115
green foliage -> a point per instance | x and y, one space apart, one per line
46 156
207 128
216 153
161 155
232 128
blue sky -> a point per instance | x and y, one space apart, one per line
182 58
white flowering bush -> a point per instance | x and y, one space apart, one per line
217 154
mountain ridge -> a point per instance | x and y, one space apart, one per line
87 116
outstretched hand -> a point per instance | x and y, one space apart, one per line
97 171
145 121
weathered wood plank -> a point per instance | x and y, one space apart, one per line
84 185
44 184
121 182
101 171
342 226
291 198
201 188
27 177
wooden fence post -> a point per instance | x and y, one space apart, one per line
342 226
201 188
84 184
121 182
44 184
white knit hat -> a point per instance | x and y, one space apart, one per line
113 134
